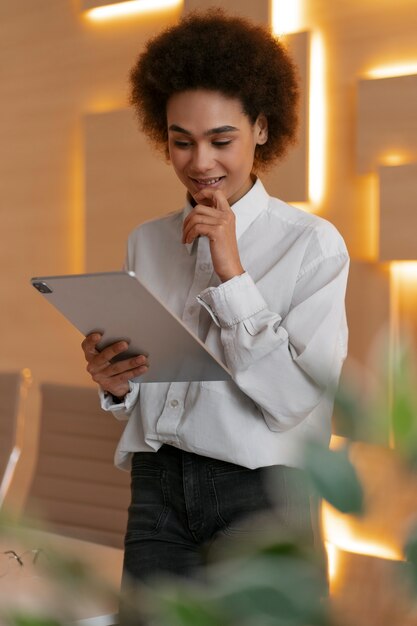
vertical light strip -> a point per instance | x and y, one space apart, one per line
332 560
286 16
317 121
77 230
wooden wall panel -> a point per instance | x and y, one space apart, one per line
258 11
398 212
387 121
57 68
126 183
367 307
92 4
288 179
404 301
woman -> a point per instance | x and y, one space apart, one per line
261 282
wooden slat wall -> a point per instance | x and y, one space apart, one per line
73 69
9 401
398 215
76 489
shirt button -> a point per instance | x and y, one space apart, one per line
174 403
204 267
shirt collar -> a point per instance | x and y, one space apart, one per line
246 209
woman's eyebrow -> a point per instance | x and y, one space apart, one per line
212 131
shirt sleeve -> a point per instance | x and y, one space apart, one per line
284 364
121 410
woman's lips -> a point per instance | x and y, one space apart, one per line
212 182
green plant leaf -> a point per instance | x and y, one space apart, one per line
180 608
334 477
348 415
404 423
278 590
404 404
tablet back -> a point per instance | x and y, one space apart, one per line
119 306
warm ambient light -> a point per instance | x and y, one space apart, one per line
286 16
404 271
397 157
317 123
339 533
337 442
27 375
332 561
132 7
392 71
77 225
104 104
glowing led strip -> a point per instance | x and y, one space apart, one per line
393 71
404 270
338 532
132 7
286 16
317 121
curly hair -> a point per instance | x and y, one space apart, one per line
228 54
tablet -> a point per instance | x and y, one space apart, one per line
120 307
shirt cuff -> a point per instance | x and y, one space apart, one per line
233 301
108 403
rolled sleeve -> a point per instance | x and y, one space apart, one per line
232 302
285 365
121 410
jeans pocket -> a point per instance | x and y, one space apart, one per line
240 499
148 507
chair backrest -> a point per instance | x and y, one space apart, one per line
13 390
76 489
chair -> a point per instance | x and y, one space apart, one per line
76 489
13 391
77 493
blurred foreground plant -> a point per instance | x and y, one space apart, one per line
268 580
44 585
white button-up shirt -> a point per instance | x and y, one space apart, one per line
280 328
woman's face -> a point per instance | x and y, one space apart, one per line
212 142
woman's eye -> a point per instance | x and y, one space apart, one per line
182 144
221 144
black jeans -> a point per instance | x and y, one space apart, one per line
183 503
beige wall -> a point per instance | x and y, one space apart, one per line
64 88
56 68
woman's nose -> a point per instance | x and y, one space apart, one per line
202 159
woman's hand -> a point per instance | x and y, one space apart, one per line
212 217
112 377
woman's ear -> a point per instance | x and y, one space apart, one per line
261 129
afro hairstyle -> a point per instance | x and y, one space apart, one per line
218 52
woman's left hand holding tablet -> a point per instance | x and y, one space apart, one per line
112 377
212 217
